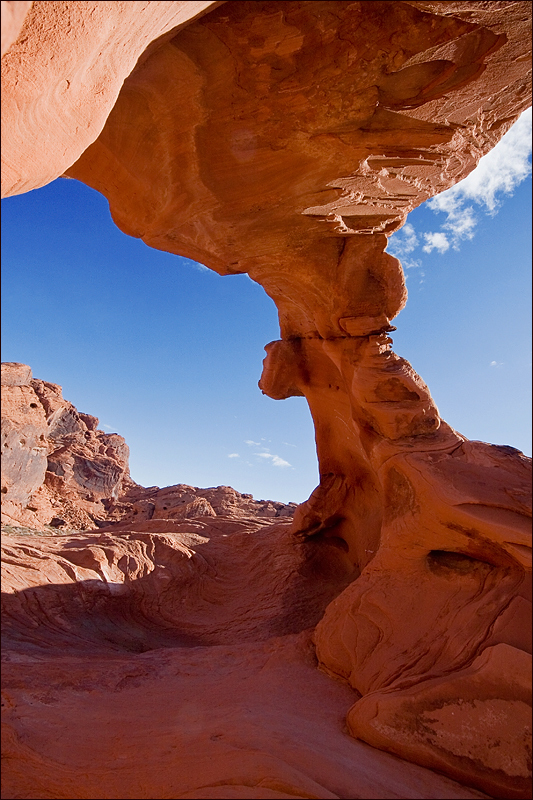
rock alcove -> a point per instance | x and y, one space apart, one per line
285 140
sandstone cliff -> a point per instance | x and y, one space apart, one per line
56 464
59 469
286 140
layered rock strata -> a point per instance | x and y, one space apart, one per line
287 140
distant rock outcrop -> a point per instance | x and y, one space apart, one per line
137 504
59 469
24 442
56 464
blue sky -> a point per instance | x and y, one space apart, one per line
168 354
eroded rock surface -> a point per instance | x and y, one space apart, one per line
13 14
63 72
56 464
24 444
186 662
59 469
287 140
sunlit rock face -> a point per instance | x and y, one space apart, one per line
56 465
59 469
13 14
24 428
287 140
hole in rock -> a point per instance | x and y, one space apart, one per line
175 352
446 560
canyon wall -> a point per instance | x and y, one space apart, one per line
287 140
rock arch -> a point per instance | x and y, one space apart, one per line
287 140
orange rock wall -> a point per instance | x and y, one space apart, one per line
68 64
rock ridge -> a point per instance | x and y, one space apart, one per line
60 470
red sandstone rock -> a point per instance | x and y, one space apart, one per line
434 721
138 504
68 65
56 464
179 685
24 445
347 118
13 14
59 469
287 140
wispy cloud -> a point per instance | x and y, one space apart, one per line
194 264
233 455
405 241
402 244
501 170
276 460
107 427
251 443
496 364
496 176
436 241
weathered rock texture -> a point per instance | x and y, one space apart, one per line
56 464
179 664
13 13
59 469
138 504
68 65
287 140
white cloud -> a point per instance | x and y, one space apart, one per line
233 455
496 364
411 263
107 427
436 241
195 264
276 460
403 242
249 442
496 176
500 171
